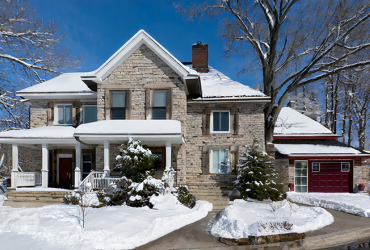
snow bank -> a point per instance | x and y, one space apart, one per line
243 219
116 227
358 204
291 121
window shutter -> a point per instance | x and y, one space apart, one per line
128 104
234 156
169 104
51 113
206 122
234 121
148 106
205 160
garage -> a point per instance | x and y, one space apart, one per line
329 177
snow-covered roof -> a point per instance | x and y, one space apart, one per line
49 132
314 149
118 131
215 85
291 122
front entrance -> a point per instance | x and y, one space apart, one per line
330 177
65 171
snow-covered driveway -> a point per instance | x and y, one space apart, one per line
358 204
118 227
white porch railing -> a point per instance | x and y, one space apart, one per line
28 179
96 180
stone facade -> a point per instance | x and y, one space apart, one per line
38 113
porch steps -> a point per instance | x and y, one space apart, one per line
34 198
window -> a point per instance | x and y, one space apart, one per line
315 167
159 105
220 161
86 165
118 106
220 122
89 113
64 114
345 166
300 176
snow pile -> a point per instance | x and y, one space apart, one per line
291 121
115 227
216 84
357 204
2 198
243 219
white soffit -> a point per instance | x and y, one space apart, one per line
131 46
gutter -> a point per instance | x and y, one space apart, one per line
234 100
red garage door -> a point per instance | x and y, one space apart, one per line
329 177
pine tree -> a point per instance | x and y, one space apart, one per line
257 179
136 163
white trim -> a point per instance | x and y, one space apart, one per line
341 167
58 96
55 122
312 167
62 156
131 46
211 123
301 176
83 111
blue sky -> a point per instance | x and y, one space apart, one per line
96 29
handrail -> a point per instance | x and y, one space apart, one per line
96 180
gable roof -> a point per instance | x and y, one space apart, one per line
291 122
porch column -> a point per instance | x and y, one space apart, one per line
168 156
14 166
78 165
106 159
45 167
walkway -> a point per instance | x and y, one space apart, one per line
196 236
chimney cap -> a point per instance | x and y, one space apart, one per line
199 43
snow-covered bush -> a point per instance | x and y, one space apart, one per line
136 163
72 198
257 178
186 198
141 193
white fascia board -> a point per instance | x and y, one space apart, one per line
133 44
231 99
27 141
328 155
65 95
120 138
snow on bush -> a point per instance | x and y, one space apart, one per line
243 219
357 204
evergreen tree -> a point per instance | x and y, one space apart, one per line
136 163
257 177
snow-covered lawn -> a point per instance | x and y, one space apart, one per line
115 227
358 204
243 219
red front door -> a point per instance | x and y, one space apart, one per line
65 172
329 178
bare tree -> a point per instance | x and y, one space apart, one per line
292 42
30 52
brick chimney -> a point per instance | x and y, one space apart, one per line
200 57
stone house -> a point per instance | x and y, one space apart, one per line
193 117
309 156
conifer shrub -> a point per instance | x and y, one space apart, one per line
186 198
257 176
136 163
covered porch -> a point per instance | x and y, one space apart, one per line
64 149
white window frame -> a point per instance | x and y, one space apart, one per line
211 122
300 176
341 166
56 113
83 111
312 167
211 160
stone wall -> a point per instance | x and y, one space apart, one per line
38 113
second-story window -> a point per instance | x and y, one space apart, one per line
118 106
64 114
159 105
220 122
89 113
